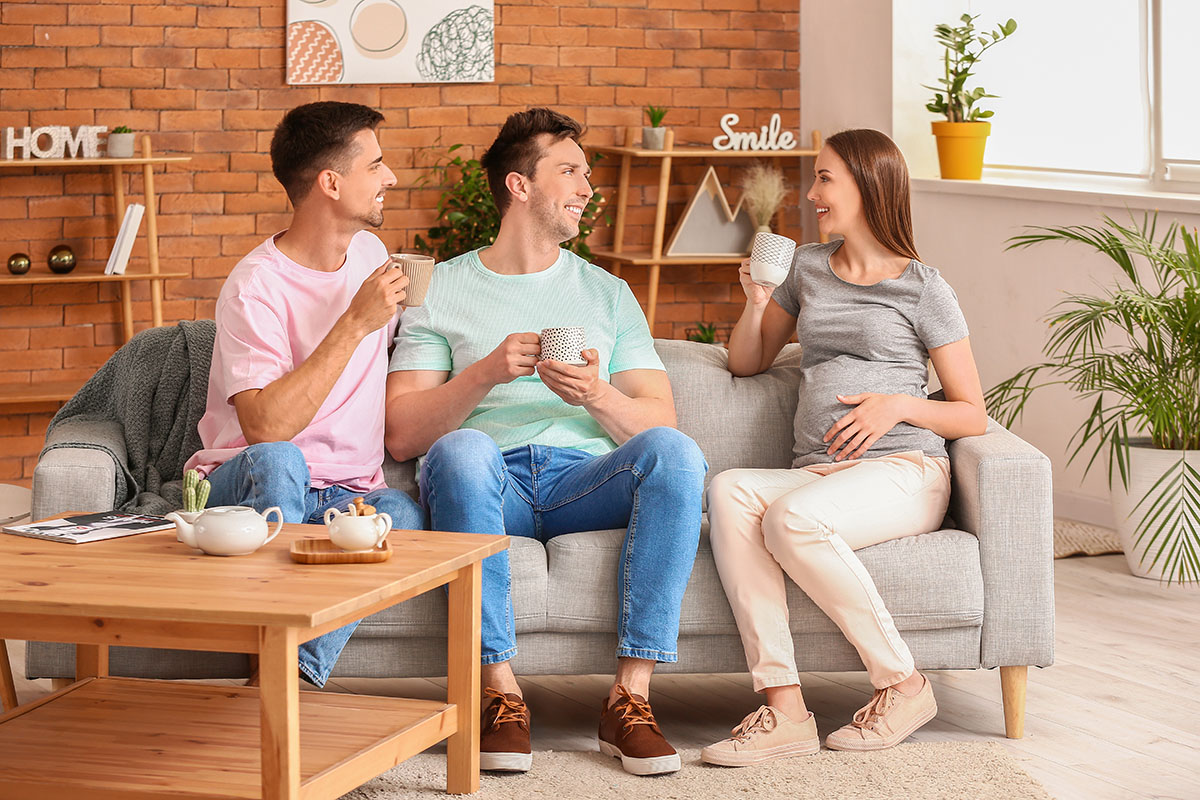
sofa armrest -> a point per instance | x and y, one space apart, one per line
79 468
1003 494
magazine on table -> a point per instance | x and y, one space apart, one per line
80 528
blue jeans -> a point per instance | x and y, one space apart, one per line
651 485
275 474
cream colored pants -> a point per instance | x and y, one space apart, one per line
807 523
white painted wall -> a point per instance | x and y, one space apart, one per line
848 79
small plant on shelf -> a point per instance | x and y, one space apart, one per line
703 332
655 114
122 129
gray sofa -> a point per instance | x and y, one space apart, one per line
976 594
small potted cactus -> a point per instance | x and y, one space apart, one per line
195 496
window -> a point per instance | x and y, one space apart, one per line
1106 87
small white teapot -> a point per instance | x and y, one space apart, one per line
357 534
227 530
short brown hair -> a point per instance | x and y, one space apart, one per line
517 149
314 137
881 174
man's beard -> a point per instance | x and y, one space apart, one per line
374 219
563 229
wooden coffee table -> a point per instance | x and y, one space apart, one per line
106 737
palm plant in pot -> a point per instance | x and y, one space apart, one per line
962 137
1133 349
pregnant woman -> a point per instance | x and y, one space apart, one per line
870 456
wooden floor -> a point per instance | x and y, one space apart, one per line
1117 716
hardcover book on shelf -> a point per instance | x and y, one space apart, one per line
81 528
123 244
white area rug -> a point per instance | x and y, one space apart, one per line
1078 538
915 771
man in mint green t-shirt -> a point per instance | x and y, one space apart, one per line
539 449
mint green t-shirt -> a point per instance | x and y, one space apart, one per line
469 310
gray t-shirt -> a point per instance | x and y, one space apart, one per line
864 339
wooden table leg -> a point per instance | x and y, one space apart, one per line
91 661
280 698
8 689
462 679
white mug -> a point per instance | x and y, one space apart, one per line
771 258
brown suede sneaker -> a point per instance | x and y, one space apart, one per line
628 731
887 720
765 735
504 734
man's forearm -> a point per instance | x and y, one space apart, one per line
287 405
624 417
415 420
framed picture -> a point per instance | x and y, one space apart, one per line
390 41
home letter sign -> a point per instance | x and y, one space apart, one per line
53 141
769 138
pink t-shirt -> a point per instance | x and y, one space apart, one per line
271 315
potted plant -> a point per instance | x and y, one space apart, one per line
467 217
120 142
962 137
654 134
1134 349
763 191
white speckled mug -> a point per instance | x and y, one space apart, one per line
563 344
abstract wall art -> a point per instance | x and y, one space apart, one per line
390 41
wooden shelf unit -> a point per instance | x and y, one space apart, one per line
653 257
52 392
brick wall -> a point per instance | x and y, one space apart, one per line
206 79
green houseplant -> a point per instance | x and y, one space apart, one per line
467 215
1133 349
963 135
120 142
654 134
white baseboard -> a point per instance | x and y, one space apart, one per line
1084 508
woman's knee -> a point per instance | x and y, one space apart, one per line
786 526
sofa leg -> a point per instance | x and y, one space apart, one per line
1012 687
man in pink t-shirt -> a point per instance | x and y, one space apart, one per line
295 405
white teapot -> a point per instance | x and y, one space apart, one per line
227 530
357 534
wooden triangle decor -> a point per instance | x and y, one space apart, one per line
709 227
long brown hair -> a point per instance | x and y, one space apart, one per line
882 177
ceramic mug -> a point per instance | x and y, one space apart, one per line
771 258
563 344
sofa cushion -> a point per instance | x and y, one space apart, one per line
582 593
736 421
425 615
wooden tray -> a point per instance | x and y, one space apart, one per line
323 551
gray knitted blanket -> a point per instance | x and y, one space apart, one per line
156 387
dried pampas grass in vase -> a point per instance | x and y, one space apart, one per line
763 192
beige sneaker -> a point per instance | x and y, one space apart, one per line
766 735
887 720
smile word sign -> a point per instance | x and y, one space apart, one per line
53 141
768 138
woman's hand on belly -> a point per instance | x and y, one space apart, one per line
872 417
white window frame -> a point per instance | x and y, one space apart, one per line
1167 175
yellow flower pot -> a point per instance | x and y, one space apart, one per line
960 148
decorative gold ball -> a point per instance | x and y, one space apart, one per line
61 260
19 263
